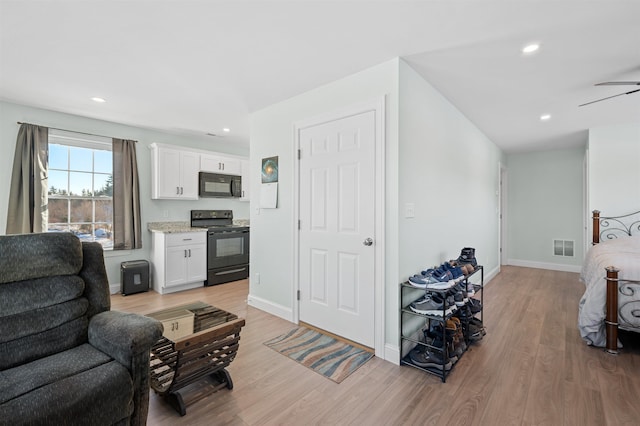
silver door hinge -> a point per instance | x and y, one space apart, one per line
299 225
299 154
298 295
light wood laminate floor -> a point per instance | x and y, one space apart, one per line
531 368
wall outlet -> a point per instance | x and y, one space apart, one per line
256 279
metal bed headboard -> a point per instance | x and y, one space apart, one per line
612 227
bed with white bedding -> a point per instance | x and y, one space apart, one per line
615 254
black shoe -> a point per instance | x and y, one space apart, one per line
468 255
475 305
428 359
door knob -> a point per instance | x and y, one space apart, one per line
368 242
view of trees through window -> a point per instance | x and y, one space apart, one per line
81 192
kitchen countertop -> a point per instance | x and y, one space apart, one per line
177 227
172 227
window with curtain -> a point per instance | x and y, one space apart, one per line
80 186
66 181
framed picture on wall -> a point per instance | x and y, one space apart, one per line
270 169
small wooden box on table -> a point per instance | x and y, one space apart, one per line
182 357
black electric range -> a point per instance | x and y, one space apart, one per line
227 245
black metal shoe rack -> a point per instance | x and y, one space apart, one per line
408 295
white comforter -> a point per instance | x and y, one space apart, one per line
624 254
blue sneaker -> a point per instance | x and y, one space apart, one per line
456 272
421 281
428 282
440 275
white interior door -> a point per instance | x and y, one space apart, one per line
337 227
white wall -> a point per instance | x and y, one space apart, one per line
614 169
545 202
151 210
449 172
435 158
272 231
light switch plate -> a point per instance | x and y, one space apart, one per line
409 210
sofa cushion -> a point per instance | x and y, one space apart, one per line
78 383
93 271
28 256
29 348
38 320
26 295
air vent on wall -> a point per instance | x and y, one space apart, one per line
563 247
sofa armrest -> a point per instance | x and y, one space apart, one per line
127 338
122 336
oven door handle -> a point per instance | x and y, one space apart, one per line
245 231
232 271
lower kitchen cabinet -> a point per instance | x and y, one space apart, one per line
179 260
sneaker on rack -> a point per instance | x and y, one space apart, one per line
436 330
448 301
428 282
475 333
458 298
478 324
428 359
437 343
471 290
475 305
456 271
462 288
468 255
428 306
444 277
464 313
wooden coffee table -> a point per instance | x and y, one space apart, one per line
199 341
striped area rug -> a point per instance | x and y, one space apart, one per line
321 353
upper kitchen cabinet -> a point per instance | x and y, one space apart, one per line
220 164
174 173
245 180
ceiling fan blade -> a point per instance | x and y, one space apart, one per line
609 97
619 83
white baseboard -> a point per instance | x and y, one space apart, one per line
544 265
270 307
392 353
114 288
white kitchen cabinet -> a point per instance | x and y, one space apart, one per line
179 260
174 173
245 180
220 164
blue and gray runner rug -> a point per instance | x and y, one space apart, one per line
321 353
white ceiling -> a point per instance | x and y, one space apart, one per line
195 67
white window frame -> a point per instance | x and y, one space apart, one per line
80 140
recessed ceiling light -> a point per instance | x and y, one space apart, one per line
99 100
226 129
531 48
545 117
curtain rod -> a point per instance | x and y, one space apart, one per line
72 131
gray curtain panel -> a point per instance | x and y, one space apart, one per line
27 212
127 232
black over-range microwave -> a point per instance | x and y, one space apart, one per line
219 185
